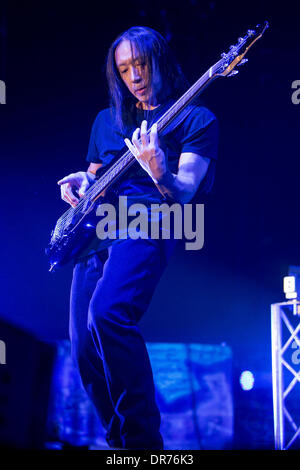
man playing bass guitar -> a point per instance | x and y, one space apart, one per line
113 285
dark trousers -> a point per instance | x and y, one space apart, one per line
110 292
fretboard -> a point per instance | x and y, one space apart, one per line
164 122
168 120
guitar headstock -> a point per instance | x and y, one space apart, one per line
235 56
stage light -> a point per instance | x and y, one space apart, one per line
289 287
247 380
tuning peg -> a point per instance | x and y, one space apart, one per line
240 40
231 74
243 61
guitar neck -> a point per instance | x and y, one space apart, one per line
181 104
175 111
225 67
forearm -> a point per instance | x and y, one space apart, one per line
93 167
92 171
178 188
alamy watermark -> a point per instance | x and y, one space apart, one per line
2 352
155 221
296 354
2 92
296 94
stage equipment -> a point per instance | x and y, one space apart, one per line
291 283
194 395
25 379
285 327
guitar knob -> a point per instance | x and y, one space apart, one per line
231 74
233 50
243 61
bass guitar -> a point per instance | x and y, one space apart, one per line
76 227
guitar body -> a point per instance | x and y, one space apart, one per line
64 249
76 237
77 234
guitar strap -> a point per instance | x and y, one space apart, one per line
177 120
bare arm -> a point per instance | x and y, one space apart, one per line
93 167
191 167
182 187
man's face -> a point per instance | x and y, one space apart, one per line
133 71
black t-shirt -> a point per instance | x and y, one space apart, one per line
198 133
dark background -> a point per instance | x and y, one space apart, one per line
52 60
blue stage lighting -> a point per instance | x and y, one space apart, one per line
247 380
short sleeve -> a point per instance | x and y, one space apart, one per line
93 151
105 141
98 137
200 133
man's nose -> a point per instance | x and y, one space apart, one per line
135 75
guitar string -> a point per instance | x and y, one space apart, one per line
179 103
94 190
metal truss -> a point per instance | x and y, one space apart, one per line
281 316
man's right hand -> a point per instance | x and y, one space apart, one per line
79 182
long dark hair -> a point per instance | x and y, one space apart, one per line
166 79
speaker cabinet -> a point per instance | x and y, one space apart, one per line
25 378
